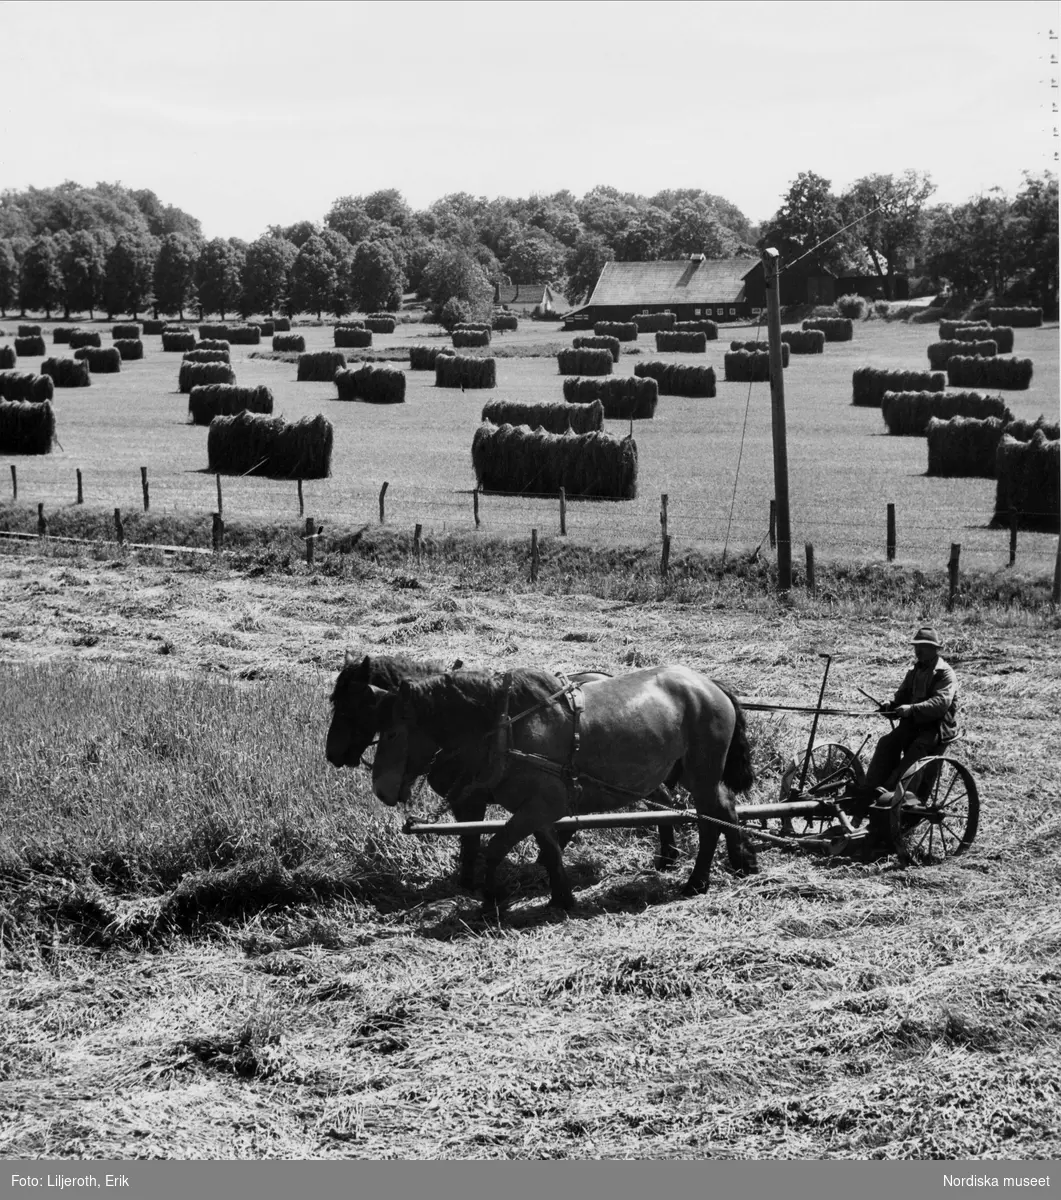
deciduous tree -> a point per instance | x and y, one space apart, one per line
175 273
891 223
376 280
267 274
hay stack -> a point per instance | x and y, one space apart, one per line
30 346
67 372
463 371
584 362
291 343
265 328
129 349
374 385
8 358
681 341
677 379
804 341
1001 335
29 331
1012 374
380 323
255 444
82 338
868 384
199 374
654 322
747 366
355 337
422 358
513 458
505 323
963 446
210 333
24 385
1028 475
209 400
611 344
214 344
243 335
206 356
708 328
177 341
470 339
554 418
26 428
153 327
61 335
627 398
836 329
281 324
948 330
1024 431
625 331
1023 318
319 366
763 348
940 353
907 414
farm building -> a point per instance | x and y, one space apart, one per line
805 282
542 299
688 287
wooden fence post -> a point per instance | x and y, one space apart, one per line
220 504
812 586
664 562
143 485
773 524
311 540
14 482
563 513
475 505
119 528
955 556
382 494
891 533
80 492
663 515
1057 574
218 536
1012 536
534 556
417 549
301 502
42 521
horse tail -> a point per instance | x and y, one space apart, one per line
738 774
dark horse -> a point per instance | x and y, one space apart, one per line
632 731
354 726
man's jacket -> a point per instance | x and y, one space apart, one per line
932 693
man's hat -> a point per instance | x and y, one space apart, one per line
926 636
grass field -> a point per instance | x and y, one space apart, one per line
844 469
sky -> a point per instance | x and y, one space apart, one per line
258 113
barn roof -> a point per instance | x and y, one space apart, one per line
672 281
528 294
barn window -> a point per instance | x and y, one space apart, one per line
732 312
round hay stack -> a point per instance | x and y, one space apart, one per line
654 322
206 401
213 333
940 353
554 418
255 444
1029 480
763 348
708 328
102 360
61 335
243 335
152 326
214 344
681 341
67 372
281 324
26 428
470 339
29 331
1022 318
505 323
8 358
515 459
126 333
380 323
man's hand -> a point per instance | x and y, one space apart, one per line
902 711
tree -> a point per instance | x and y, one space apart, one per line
890 215
314 277
175 273
644 239
584 265
8 276
343 254
455 273
388 206
349 217
535 256
299 233
83 263
219 276
42 281
267 274
163 220
695 228
1036 207
128 273
808 216
376 280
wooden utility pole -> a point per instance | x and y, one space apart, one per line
772 278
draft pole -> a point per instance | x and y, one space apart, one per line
772 278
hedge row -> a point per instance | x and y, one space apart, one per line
907 414
681 341
611 344
869 384
628 398
555 418
24 385
197 374
512 458
319 366
67 372
463 371
584 362
940 353
1014 374
256 444
836 329
624 331
26 428
804 341
209 400
375 385
677 379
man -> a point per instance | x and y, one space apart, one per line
926 706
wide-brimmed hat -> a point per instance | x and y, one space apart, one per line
926 636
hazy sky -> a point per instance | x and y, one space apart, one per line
248 114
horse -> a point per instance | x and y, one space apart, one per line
607 747
354 727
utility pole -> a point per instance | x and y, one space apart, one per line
772 278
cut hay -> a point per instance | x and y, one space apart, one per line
1013 374
708 328
554 418
940 353
505 323
1024 431
67 372
868 384
852 305
625 331
422 358
907 414
804 341
8 358
1001 335
129 349
463 371
680 341
611 344
1019 318
61 335
153 327
25 385
654 322
677 379
209 400
349 323
177 341
243 335
948 330
515 459
265 328
197 374
102 360
207 356
963 446
380 324
26 428
289 343
30 346
763 348
470 339
374 385
747 366
628 398
176 327
1029 480
319 366
352 336
584 362
479 326
281 324
836 329
29 331
213 333
80 338
214 344
256 444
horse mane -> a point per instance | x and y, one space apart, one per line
469 702
386 672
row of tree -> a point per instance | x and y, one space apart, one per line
75 249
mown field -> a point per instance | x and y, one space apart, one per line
844 468
212 944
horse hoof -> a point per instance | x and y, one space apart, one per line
694 888
666 862
565 902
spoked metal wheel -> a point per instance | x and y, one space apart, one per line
833 772
936 811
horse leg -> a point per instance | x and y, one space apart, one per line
667 858
470 806
550 856
532 816
742 856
